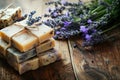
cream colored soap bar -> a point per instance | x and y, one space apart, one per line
21 57
49 57
34 63
8 32
9 16
24 40
2 46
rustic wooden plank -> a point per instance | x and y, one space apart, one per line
7 72
99 63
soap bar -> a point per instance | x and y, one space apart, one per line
45 58
9 16
27 39
49 57
45 46
43 32
21 57
2 46
8 32
24 41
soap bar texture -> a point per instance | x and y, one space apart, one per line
9 16
25 40
43 59
3 45
19 57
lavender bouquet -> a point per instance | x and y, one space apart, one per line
90 20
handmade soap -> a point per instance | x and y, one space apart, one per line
45 46
21 57
2 46
8 32
25 40
8 16
49 57
45 58
41 31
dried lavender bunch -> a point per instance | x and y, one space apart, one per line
32 20
62 18
95 33
91 20
92 35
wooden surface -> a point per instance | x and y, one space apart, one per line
100 63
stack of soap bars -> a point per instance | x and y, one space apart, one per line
9 15
28 48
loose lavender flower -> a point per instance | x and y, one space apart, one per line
57 32
89 21
67 14
83 29
32 20
63 2
88 37
54 14
66 23
63 29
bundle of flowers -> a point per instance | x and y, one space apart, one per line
90 20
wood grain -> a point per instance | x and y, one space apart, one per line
100 63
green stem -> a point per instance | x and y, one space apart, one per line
99 8
98 14
110 28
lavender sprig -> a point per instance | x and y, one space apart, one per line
32 20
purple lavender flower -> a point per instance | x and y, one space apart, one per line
88 37
89 21
66 23
67 14
83 29
63 2
63 29
55 14
57 32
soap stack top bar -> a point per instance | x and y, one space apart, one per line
8 32
8 16
23 39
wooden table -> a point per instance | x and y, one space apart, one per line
100 63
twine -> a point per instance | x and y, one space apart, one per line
2 13
28 29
